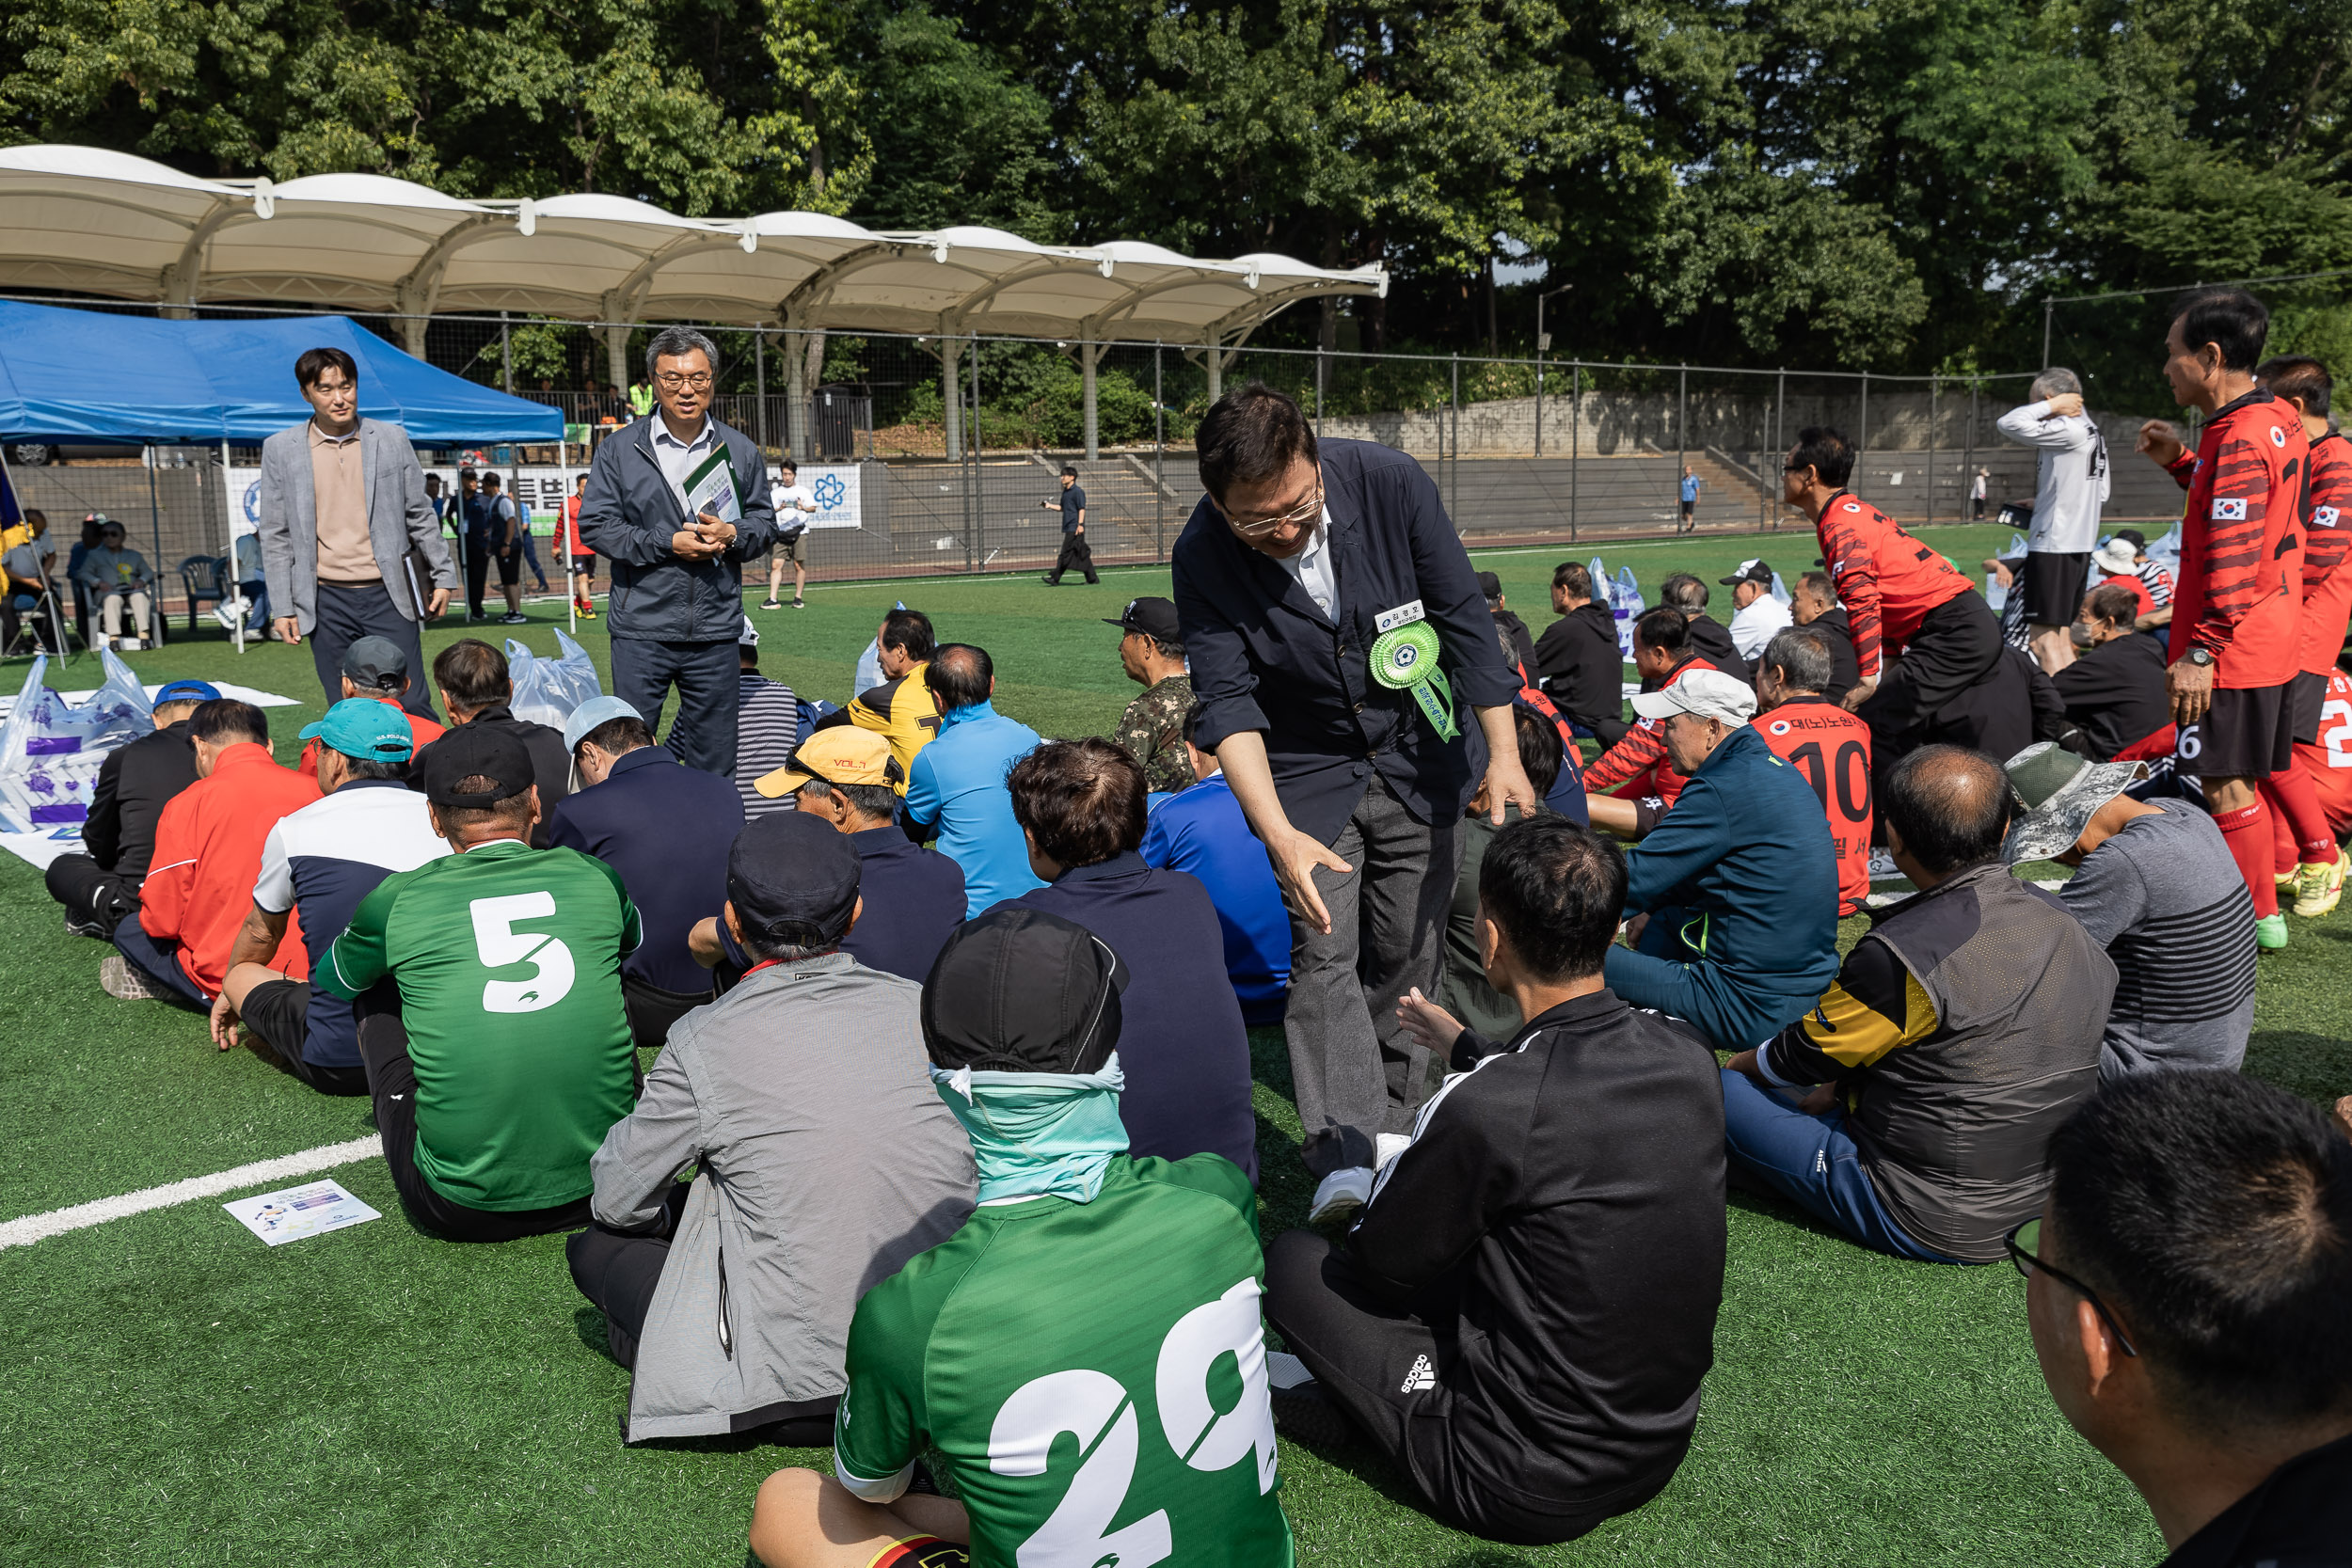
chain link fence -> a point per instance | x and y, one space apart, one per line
952 447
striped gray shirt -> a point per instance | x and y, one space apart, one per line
767 728
2165 898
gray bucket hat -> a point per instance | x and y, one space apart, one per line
2059 793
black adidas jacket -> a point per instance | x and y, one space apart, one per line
1560 1213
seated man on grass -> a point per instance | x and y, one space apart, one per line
478 688
1203 833
2152 884
135 784
1092 1293
377 667
1521 1317
507 1058
316 866
1957 1035
2186 1282
1184 1048
823 1161
1737 885
666 828
208 852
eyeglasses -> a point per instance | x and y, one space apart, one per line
1304 514
2021 1242
670 381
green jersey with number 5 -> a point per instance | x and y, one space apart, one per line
508 963
1094 1373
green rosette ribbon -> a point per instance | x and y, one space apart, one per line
1406 658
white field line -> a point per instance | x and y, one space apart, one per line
56 1222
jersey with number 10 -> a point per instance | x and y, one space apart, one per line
508 961
1832 748
1093 1373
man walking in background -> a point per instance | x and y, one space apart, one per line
1075 549
794 505
677 607
2069 486
348 535
2236 641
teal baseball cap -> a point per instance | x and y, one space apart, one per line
364 728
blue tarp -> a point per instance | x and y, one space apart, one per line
80 376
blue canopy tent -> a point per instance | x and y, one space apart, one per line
78 376
68 376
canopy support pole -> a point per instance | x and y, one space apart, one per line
562 541
951 403
236 624
1089 354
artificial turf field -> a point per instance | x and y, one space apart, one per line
175 1392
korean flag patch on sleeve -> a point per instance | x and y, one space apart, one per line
2229 508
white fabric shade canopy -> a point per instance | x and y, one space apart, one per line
87 220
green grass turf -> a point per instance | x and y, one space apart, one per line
176 1393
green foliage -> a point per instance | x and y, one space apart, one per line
1895 184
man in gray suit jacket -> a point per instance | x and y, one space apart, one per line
343 505
676 605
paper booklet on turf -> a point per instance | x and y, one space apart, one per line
311 1210
710 487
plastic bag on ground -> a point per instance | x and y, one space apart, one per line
1780 590
51 750
2166 552
1600 581
870 673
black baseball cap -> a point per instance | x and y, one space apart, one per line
1750 571
471 749
789 870
1490 585
2140 540
1021 990
1154 618
375 664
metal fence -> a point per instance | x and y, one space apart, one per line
957 442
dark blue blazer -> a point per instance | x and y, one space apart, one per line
666 828
1263 658
913 898
1180 1039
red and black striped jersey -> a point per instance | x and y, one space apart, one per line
1832 748
1887 579
1638 766
2240 593
2327 553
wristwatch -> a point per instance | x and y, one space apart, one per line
2199 655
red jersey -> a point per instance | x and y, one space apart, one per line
1637 766
2327 554
2240 594
2141 603
1887 579
2330 760
1832 748
208 856
567 531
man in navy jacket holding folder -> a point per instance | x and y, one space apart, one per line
1319 587
677 607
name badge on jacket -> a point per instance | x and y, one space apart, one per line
1402 615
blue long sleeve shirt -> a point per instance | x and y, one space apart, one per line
957 789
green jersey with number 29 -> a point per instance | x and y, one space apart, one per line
1094 1373
508 960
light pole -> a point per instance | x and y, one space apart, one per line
1543 342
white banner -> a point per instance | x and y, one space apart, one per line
836 490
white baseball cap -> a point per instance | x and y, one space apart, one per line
1703 695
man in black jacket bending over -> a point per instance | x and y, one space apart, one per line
135 784
1523 1313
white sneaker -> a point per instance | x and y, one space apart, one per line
229 612
1387 1147
1341 1194
120 981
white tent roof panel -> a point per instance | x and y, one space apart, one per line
89 220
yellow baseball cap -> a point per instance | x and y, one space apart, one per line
843 754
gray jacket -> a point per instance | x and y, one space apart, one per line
399 516
628 513
825 1159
